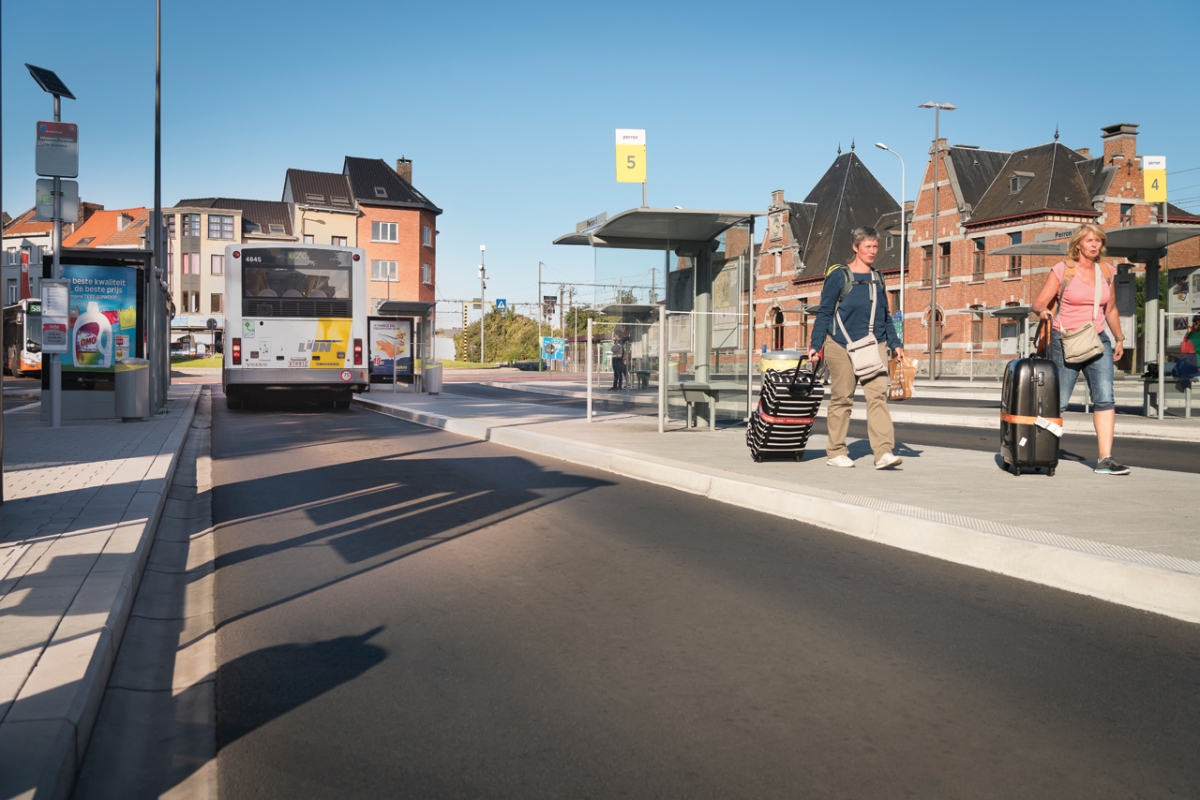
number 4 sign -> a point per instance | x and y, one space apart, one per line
1154 172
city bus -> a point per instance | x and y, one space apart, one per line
23 337
295 323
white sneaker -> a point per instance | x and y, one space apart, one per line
841 461
888 461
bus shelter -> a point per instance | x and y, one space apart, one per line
705 330
400 342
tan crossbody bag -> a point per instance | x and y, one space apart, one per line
864 352
1083 343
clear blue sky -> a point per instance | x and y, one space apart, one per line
508 110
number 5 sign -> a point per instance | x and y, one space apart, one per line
631 155
1154 172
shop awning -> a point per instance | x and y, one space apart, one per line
659 229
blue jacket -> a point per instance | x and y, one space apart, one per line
855 310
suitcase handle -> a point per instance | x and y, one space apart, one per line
1042 340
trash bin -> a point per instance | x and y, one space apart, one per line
781 360
132 388
433 377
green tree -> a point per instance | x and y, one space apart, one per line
510 337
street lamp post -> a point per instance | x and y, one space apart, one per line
903 234
482 301
934 259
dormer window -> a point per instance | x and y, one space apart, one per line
278 229
315 198
1019 181
380 191
340 201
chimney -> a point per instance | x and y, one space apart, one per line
777 198
1120 141
404 169
1086 152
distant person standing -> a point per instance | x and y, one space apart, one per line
618 362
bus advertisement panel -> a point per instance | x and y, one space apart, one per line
103 323
391 341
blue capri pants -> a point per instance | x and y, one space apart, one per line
1097 371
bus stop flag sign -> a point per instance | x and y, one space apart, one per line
57 150
631 155
1154 172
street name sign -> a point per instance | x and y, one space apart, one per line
45 200
631 155
1154 173
57 152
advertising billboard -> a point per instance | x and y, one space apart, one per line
103 317
391 340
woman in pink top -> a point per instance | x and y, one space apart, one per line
1075 302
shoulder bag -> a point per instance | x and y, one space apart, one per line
864 352
1083 343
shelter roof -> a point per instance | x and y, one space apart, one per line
321 189
846 197
660 229
1049 181
1136 243
375 183
404 308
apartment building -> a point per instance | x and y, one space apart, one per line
27 242
397 227
198 230
324 207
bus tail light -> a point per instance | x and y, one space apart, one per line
237 352
358 352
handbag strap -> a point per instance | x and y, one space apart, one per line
870 325
1068 276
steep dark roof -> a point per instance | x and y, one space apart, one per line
800 220
262 213
973 170
368 174
1054 185
1096 176
846 197
320 189
1175 213
889 260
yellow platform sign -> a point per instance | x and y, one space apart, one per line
631 155
1154 173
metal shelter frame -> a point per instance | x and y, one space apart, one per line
424 314
690 233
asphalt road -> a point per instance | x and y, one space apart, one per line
1150 453
408 613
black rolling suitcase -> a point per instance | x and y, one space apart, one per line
1030 419
787 407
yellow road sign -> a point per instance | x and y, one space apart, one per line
1154 173
631 155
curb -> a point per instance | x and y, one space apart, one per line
1125 576
57 775
1125 430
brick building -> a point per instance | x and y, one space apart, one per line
397 227
27 241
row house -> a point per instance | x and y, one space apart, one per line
804 239
991 199
27 243
198 231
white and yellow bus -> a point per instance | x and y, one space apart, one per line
295 323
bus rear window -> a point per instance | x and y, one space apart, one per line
326 284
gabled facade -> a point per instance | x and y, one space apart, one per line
397 227
122 227
325 211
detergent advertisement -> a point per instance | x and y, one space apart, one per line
391 340
103 317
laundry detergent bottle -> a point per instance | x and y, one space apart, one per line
92 338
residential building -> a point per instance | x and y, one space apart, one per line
325 211
28 241
122 227
198 230
397 227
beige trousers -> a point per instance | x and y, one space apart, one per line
841 401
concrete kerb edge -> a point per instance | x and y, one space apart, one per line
1125 430
59 774
1160 591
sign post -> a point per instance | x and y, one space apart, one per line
631 158
56 322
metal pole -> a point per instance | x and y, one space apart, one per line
662 368
56 272
482 302
1162 363
933 254
903 244
644 195
589 370
154 298
750 328
540 311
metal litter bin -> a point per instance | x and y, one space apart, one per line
433 377
132 388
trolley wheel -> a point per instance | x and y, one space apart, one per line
1016 471
796 457
757 458
1050 472
1004 466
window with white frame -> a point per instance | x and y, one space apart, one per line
384 270
427 236
191 263
220 227
309 239
190 224
338 241
217 265
384 232
170 226
13 295
426 274
12 256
